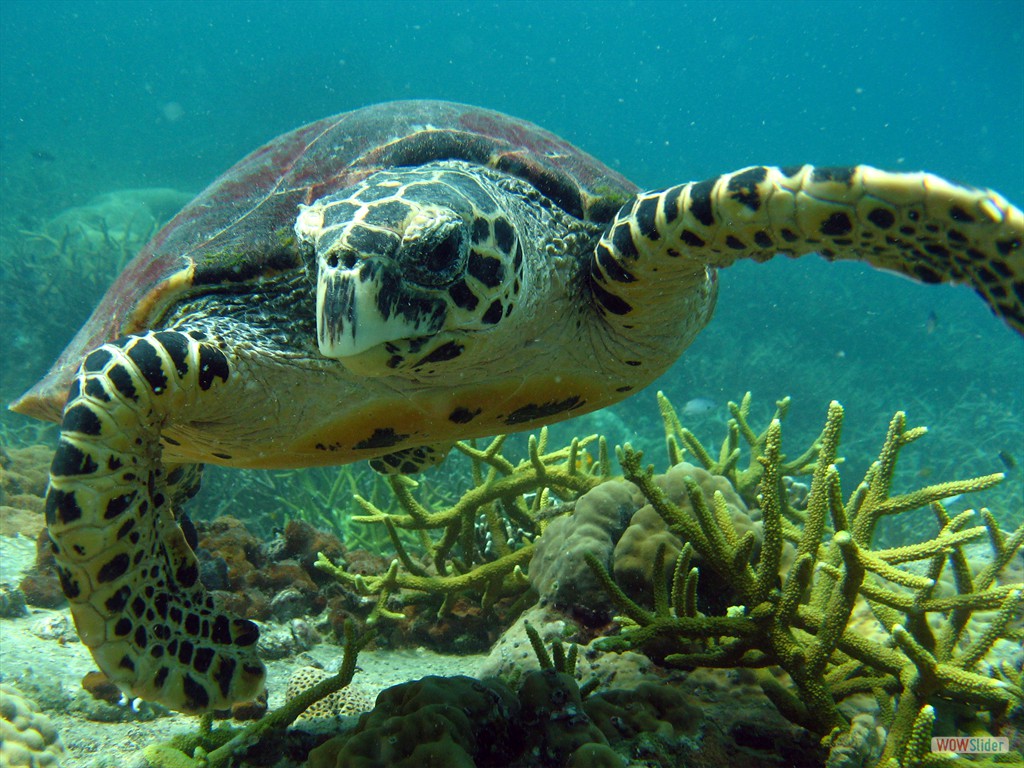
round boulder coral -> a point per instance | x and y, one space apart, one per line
27 737
558 570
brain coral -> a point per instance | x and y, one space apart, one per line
613 523
26 735
459 722
558 570
451 722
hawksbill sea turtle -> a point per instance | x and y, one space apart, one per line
381 283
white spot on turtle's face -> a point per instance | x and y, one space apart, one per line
309 222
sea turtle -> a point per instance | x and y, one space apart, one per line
381 283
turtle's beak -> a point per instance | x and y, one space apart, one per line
369 304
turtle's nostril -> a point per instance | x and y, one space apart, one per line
332 261
349 260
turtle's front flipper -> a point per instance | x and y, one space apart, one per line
916 224
131 578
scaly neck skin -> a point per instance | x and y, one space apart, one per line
918 225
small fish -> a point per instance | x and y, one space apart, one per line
698 406
931 323
43 156
1008 460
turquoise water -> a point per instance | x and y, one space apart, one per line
109 95
102 96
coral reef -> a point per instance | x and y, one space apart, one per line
457 561
27 737
800 624
548 721
736 565
23 476
214 747
698 595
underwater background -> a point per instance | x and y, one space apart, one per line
101 97
105 96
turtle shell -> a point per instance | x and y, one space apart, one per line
241 226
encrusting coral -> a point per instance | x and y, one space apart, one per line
546 721
799 624
27 737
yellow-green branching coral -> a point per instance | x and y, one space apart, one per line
926 648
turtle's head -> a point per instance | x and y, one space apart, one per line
412 264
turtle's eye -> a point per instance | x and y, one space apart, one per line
436 256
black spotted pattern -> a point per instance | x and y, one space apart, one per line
535 411
670 204
81 418
148 363
646 218
839 175
447 351
463 415
743 187
463 297
123 383
881 218
212 365
487 269
381 438
700 201
494 313
69 460
837 224
97 360
177 349
504 235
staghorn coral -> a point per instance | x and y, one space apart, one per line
457 564
801 623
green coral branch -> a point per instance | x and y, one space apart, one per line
803 626
477 579
746 481
498 498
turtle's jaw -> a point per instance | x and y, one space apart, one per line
366 313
